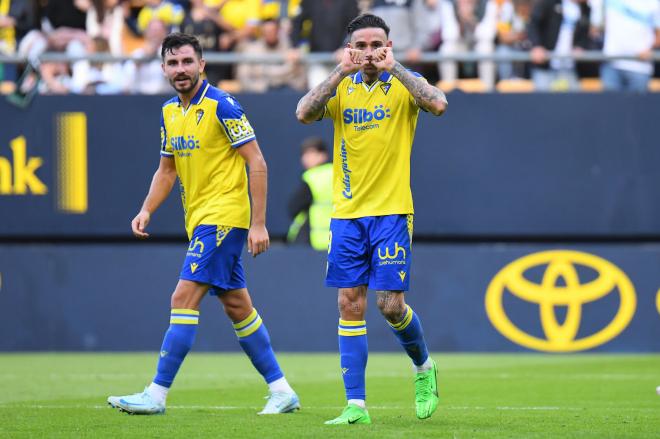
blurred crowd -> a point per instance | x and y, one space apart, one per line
550 31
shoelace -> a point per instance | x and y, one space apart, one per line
423 384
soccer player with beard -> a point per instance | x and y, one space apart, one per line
206 141
373 102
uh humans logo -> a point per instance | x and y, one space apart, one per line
388 258
571 293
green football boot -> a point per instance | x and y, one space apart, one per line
426 392
352 414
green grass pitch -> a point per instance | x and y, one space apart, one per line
218 395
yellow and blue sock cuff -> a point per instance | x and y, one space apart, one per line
249 325
184 316
403 324
352 328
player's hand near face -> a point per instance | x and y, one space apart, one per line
258 241
383 58
139 224
351 60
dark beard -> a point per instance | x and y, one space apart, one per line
193 84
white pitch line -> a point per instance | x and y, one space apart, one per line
228 407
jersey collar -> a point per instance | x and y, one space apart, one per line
199 95
384 77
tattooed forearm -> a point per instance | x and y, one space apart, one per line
312 105
428 97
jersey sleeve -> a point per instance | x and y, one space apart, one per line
234 121
165 147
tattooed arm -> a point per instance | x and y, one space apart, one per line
428 97
311 106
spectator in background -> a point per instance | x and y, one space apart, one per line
105 19
408 23
262 77
242 18
146 77
513 19
206 24
468 25
310 206
239 20
63 14
7 38
63 22
169 13
55 78
320 26
560 27
95 77
632 28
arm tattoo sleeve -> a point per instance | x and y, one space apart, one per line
427 96
312 105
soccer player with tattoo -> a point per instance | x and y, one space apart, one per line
207 141
373 102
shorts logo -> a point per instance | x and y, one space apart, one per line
561 285
392 259
402 275
194 244
344 370
193 267
163 354
387 255
221 234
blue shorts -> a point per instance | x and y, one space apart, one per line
373 251
214 258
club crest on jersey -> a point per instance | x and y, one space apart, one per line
385 87
350 90
199 113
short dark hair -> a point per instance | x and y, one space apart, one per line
177 39
367 20
315 143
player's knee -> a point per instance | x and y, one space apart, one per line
392 310
237 312
350 308
237 305
187 295
180 299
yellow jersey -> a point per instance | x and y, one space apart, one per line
374 130
7 33
203 139
238 13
